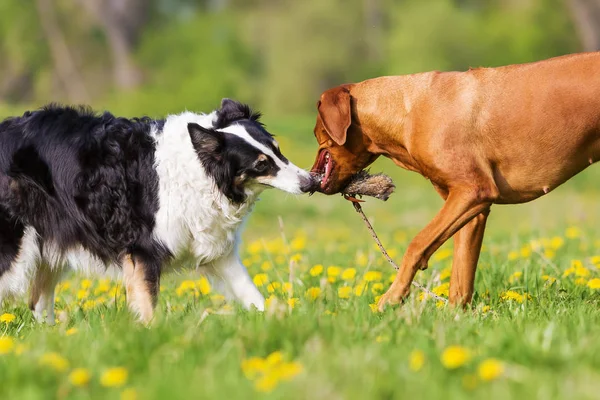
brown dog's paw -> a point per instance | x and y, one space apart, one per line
391 298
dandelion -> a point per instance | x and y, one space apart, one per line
288 371
298 243
416 360
71 331
273 286
296 257
316 270
6 345
445 273
266 384
515 276
54 361
374 308
512 295
442 254
372 276
580 281
485 309
525 252
548 279
513 255
255 247
86 284
203 285
129 394
266 266
572 232
114 377
349 274
377 288
490 369
360 288
260 279
313 293
455 357
333 271
80 377
344 292
253 366
274 358
556 242
7 318
594 283
293 302
361 259
442 290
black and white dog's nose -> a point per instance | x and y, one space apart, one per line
308 183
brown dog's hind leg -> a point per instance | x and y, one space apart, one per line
142 290
467 245
461 206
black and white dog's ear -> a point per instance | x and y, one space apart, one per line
205 141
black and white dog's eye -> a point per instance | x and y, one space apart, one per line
261 165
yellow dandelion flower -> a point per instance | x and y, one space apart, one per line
469 381
344 292
416 360
442 254
270 300
86 284
374 308
266 266
372 276
298 243
296 257
572 232
455 357
594 283
513 255
203 285
266 383
349 274
391 278
361 259
535 244
313 293
63 287
525 251
6 345
595 260
114 377
273 286
316 270
7 318
377 288
333 271
275 358
286 287
80 377
82 294
556 242
442 290
485 309
512 295
515 276
289 370
440 304
54 361
293 302
253 366
71 331
255 247
103 287
260 279
129 394
20 349
549 253
445 273
580 281
548 279
360 288
490 369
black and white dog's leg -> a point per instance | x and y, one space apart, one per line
234 275
41 297
141 273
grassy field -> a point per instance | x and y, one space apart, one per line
533 332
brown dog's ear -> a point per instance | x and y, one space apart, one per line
334 109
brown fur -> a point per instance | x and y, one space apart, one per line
140 297
487 136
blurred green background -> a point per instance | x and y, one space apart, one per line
154 57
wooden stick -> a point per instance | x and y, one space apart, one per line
359 210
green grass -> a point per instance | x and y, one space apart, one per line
549 345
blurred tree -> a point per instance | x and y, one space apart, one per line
586 14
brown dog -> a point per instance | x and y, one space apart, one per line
486 136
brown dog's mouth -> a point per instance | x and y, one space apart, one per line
323 168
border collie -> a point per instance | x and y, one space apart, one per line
92 192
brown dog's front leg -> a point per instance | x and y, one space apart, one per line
467 245
460 207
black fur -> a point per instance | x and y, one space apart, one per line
80 178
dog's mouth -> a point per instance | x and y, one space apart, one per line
323 168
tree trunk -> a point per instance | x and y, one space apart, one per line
64 64
586 15
121 21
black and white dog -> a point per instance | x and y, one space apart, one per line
94 192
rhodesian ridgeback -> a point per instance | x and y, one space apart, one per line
486 136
